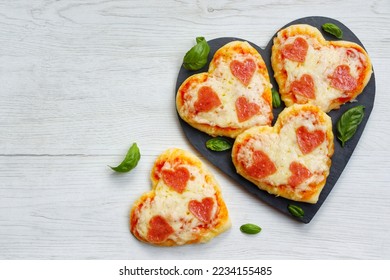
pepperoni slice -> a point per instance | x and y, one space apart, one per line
202 210
309 140
159 229
304 86
297 50
300 173
243 70
342 79
245 109
262 165
207 100
177 179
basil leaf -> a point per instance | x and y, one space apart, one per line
130 161
275 98
349 122
250 229
196 57
333 29
200 39
296 211
218 144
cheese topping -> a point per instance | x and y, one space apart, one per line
283 149
320 63
173 206
229 89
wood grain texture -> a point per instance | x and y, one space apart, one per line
81 81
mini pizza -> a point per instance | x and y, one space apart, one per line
234 95
291 159
309 69
185 205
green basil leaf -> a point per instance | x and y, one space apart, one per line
218 144
200 39
196 57
130 161
296 211
349 122
250 229
333 29
275 98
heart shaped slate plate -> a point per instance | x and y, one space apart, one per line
223 161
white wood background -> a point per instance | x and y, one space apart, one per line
80 81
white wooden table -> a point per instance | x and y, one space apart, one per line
80 81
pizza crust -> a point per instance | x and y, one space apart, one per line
280 145
222 120
174 206
322 58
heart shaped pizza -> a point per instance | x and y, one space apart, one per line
185 205
309 69
233 95
291 159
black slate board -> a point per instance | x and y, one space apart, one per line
223 161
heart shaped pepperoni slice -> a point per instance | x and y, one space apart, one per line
243 70
159 229
177 179
297 50
307 140
304 87
262 165
299 174
342 79
245 109
207 100
202 210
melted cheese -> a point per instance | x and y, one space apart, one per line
283 149
173 206
320 63
228 89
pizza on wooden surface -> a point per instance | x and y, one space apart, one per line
185 205
310 69
291 159
233 95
